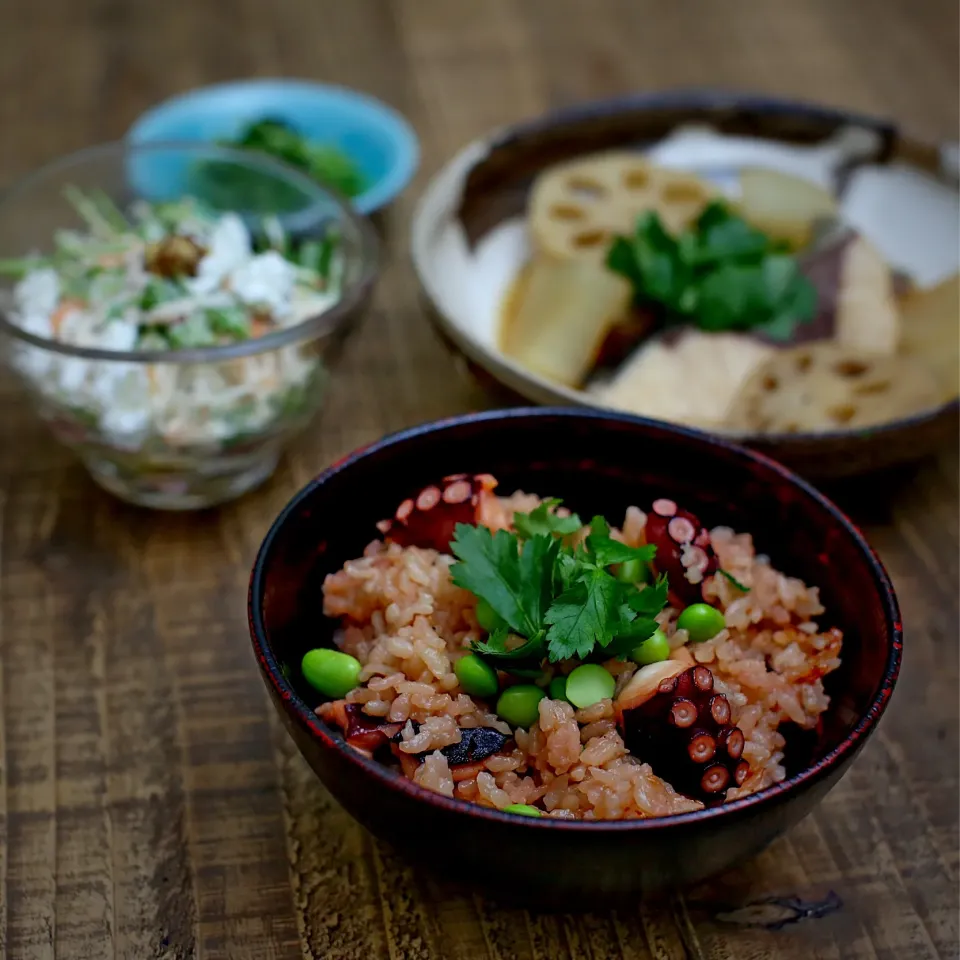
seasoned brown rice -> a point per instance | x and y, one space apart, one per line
407 624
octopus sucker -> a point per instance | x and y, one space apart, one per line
684 552
684 731
428 520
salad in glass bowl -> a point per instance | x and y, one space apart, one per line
173 344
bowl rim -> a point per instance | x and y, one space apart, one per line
403 138
319 325
430 207
387 777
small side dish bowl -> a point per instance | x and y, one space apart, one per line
511 237
374 136
596 462
173 345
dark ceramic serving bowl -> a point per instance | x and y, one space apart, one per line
598 463
480 197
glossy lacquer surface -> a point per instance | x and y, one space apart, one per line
597 464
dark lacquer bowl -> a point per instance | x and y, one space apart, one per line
598 463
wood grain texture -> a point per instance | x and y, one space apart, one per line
151 806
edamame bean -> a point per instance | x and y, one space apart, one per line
701 621
476 677
558 688
524 809
331 672
589 684
518 705
654 649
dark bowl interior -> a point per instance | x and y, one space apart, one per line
598 464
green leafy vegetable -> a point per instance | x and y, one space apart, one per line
228 185
542 520
495 646
327 164
562 599
608 551
516 581
587 614
719 274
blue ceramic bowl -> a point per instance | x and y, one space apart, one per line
377 138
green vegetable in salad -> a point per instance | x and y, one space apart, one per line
719 274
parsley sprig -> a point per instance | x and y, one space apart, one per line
561 598
719 274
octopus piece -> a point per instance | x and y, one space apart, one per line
368 734
364 733
428 520
684 552
685 732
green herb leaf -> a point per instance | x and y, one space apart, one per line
649 601
583 616
562 599
495 647
606 551
517 584
719 274
733 580
630 636
543 521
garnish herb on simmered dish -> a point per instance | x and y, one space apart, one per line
718 274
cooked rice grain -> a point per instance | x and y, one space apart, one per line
407 623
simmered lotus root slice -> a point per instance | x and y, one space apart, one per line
824 386
576 208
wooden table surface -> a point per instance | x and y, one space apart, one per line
150 805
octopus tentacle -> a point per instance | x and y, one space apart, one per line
428 520
684 732
684 552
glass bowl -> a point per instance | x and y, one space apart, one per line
204 421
